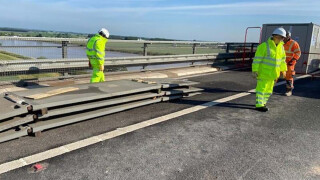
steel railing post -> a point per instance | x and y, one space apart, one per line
194 47
64 49
145 49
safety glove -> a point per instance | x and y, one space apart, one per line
101 68
290 63
254 74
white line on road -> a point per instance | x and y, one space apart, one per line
210 73
15 164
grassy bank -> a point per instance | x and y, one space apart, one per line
4 55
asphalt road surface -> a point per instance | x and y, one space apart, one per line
227 141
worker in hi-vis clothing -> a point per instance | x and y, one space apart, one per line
267 64
293 53
95 52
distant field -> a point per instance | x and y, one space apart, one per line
160 49
28 33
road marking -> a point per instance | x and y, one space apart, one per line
15 164
211 73
315 171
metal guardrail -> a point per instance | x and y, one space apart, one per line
38 58
110 40
56 64
144 46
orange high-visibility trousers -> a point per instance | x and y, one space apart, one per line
290 75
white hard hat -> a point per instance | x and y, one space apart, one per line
105 32
279 31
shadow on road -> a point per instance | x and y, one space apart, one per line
238 106
308 88
219 90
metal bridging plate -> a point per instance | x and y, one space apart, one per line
182 91
171 83
43 125
10 109
99 104
17 121
87 92
13 134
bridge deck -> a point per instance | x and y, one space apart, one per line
226 141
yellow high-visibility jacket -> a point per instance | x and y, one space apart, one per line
96 50
269 60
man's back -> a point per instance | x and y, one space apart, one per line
96 50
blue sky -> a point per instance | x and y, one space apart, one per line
215 20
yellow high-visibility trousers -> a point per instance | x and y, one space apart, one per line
97 76
264 90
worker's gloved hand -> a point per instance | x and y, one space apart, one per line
101 68
254 74
291 62
284 74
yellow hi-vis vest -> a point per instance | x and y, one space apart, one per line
96 50
269 60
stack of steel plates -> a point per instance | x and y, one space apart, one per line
32 111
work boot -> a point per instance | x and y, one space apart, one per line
289 92
262 109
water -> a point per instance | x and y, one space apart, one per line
50 52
